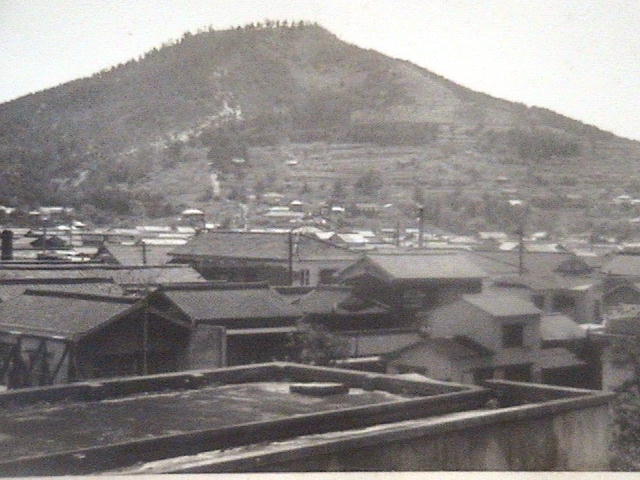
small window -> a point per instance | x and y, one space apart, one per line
512 336
305 277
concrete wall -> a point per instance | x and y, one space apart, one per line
569 434
571 441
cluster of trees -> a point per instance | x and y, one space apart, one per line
538 144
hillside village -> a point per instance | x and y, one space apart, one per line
339 296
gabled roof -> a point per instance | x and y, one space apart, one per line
222 301
501 305
60 314
559 327
337 300
260 246
409 266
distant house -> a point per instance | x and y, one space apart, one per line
264 256
555 282
411 282
489 335
442 358
134 280
621 268
336 308
620 296
51 337
255 319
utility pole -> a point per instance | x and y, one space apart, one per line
290 258
144 252
420 226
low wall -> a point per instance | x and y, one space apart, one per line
566 433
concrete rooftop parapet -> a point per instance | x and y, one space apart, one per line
158 418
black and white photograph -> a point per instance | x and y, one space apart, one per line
302 237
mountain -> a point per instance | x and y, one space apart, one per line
194 105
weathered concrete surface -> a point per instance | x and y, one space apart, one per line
570 440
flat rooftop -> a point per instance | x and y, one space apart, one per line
118 424
45 429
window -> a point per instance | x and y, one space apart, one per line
513 336
305 277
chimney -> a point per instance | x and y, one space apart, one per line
7 245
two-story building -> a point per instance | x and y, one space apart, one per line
410 282
483 336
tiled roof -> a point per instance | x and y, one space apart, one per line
103 286
408 266
501 305
559 327
230 301
122 275
58 314
335 299
260 245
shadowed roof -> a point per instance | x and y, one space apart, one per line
230 301
260 245
59 314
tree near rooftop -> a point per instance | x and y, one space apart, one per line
315 345
626 408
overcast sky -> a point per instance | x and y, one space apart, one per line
577 57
